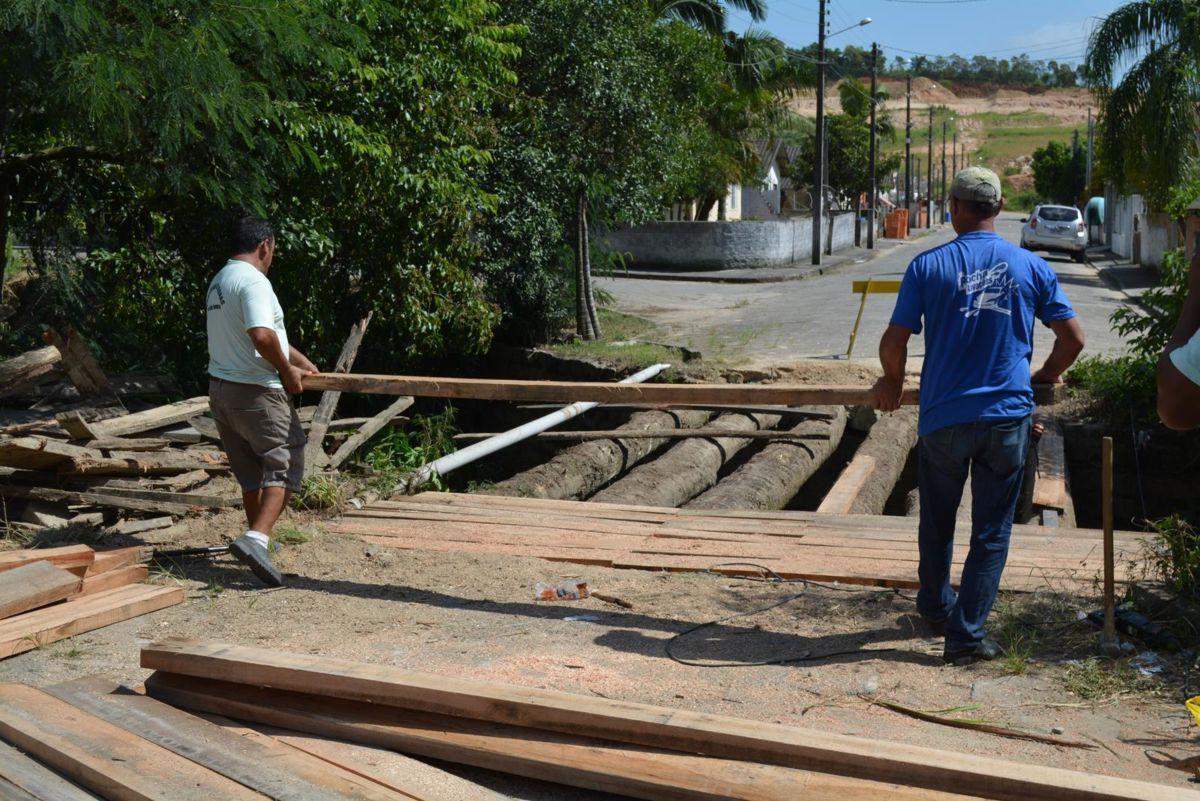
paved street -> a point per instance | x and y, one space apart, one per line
764 324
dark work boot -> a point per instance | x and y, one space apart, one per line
255 557
986 651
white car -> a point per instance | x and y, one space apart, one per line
1055 229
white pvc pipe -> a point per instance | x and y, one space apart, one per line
471 453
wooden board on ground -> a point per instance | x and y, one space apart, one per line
41 627
569 759
159 503
152 418
24 368
274 769
379 686
35 779
1050 484
841 496
33 586
42 453
117 557
120 577
104 758
75 558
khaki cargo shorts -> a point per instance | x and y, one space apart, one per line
260 432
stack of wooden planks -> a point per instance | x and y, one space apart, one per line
49 594
854 549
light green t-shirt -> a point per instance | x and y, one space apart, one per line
239 298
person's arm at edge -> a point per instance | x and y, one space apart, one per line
266 342
298 359
1178 397
893 355
1068 344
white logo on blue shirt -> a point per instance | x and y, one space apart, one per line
991 288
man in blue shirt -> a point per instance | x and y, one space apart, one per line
977 298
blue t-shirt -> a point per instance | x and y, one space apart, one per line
978 297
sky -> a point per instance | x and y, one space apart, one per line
1045 29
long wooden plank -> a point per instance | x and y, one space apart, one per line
276 770
111 579
42 453
76 558
658 433
104 758
381 765
118 557
572 391
841 496
1050 484
642 724
100 497
139 463
35 779
34 585
151 419
41 627
568 759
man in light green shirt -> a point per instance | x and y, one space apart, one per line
1179 367
253 372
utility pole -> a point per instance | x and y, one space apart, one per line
929 192
907 144
954 152
874 182
818 203
1091 149
917 184
944 122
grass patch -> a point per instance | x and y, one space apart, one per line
320 492
1173 554
290 535
1042 625
1016 119
1102 680
399 452
617 346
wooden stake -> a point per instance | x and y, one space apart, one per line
1106 487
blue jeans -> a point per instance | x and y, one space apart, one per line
994 451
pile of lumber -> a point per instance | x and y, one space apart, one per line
49 594
874 550
267 725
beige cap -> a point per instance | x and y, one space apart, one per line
976 183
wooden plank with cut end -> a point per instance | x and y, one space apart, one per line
41 627
368 430
569 759
158 502
1050 484
36 780
152 418
75 558
118 557
137 463
104 758
26 367
120 577
641 724
256 761
42 453
601 392
314 448
33 586
841 496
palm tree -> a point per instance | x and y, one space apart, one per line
1150 114
708 15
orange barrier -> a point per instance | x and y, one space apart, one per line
895 224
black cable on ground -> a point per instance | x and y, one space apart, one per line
773 578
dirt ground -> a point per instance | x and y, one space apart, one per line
474 615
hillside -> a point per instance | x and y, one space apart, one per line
1001 126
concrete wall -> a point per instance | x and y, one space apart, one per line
1135 233
725 245
1160 234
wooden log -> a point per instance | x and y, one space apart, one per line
687 469
773 476
80 365
364 434
138 463
36 780
665 433
154 502
41 627
314 448
151 419
579 471
30 365
75 558
601 392
104 758
42 453
567 759
257 761
867 481
33 586
641 724
111 579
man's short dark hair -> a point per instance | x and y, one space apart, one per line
248 233
985 210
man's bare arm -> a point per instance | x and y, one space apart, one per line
1189 318
266 342
1068 344
893 355
298 359
1178 397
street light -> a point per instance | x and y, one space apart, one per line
860 24
819 167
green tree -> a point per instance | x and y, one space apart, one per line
133 135
1143 64
1059 172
